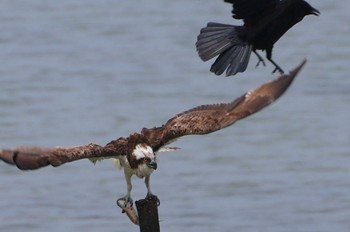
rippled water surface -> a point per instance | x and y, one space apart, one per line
75 72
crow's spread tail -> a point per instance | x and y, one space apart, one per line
222 39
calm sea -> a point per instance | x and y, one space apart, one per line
74 72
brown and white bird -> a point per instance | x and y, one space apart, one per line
137 153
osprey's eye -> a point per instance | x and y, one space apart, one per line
145 160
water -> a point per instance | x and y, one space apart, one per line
75 72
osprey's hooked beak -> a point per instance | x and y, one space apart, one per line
152 164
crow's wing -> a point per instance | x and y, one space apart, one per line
253 11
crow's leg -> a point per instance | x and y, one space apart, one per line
277 68
269 58
261 60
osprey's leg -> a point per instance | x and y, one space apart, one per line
149 192
126 200
261 60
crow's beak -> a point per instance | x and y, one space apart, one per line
315 12
152 164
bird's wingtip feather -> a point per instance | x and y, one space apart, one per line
296 70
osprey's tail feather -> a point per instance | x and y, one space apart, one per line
222 39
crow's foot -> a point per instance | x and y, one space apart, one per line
278 69
260 60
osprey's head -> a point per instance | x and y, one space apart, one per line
143 160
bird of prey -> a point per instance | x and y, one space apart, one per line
265 21
137 153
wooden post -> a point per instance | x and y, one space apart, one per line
148 214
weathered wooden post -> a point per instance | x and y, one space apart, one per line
148 214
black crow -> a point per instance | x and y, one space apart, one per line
265 21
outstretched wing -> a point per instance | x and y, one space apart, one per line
200 120
209 118
28 158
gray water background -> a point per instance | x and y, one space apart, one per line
75 72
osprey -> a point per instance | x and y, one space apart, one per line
137 153
265 21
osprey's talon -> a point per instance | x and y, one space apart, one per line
125 202
153 197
